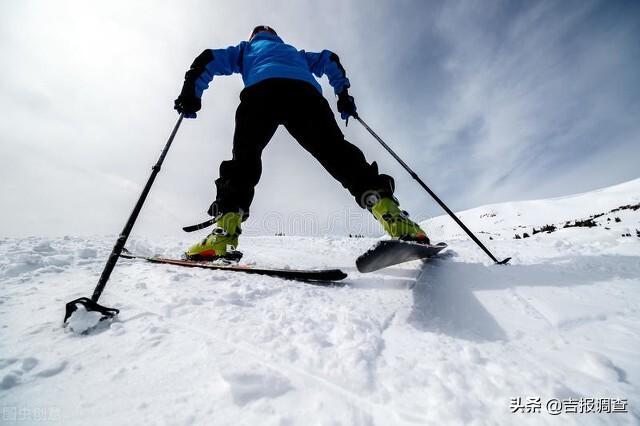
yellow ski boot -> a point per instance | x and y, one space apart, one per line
396 222
221 243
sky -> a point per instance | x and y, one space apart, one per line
487 101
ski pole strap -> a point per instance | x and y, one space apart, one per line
199 226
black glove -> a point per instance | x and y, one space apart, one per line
346 106
187 104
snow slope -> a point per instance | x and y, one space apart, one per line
450 341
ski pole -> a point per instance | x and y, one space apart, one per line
435 197
91 304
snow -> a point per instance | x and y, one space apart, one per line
450 341
81 320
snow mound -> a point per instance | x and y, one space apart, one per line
82 320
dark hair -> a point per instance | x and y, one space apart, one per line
261 28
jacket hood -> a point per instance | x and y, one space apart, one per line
264 35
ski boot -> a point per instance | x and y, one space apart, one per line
396 222
221 243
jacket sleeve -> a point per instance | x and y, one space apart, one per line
327 62
209 63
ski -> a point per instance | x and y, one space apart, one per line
392 252
315 276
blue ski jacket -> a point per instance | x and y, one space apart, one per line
265 56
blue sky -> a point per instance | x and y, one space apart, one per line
487 101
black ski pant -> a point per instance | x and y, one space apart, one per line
306 114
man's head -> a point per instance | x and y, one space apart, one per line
262 28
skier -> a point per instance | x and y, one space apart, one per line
280 89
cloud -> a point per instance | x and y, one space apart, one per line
533 94
487 101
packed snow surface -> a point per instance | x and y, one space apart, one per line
449 341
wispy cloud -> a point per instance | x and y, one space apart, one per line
488 101
532 95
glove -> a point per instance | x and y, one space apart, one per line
346 106
188 105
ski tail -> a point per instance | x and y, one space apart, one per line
392 252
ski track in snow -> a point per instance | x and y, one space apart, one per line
449 341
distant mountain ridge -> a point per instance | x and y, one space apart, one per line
616 208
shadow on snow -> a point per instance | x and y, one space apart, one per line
444 300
